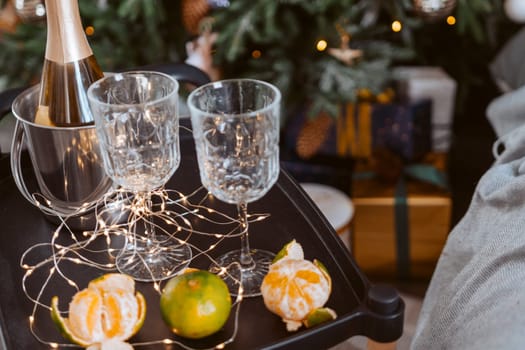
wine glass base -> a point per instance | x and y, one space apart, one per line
150 264
251 277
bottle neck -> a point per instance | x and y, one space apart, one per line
66 40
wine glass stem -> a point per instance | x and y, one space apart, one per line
246 257
149 229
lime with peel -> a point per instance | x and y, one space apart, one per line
195 304
104 315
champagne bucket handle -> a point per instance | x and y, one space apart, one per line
16 161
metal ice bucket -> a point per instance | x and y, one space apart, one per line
66 161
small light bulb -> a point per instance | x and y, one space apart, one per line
451 20
256 54
396 26
321 45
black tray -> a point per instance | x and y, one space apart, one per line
363 309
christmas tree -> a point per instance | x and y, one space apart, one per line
324 51
320 52
278 42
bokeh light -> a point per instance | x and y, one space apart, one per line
321 45
396 26
90 30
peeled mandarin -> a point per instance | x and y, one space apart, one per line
293 288
108 311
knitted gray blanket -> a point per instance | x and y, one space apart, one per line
476 298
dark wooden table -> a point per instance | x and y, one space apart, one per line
363 309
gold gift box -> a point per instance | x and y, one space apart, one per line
374 241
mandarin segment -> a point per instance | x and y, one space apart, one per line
84 313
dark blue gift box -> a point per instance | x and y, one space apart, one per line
404 127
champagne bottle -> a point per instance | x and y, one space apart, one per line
69 68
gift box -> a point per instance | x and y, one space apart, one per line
432 83
399 229
402 127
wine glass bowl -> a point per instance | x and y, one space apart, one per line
137 125
236 130
241 161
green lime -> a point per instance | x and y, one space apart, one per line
195 304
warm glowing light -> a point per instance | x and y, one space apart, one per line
321 45
451 20
396 26
188 208
256 54
90 30
101 223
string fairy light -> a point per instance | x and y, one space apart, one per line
321 45
396 26
182 215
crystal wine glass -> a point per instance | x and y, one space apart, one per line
137 125
236 130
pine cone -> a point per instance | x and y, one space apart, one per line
312 135
193 11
